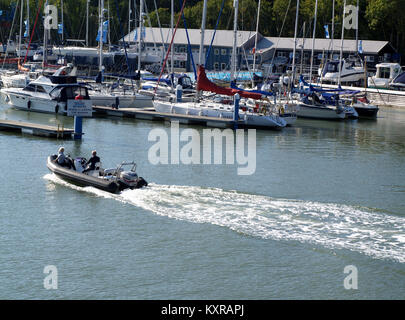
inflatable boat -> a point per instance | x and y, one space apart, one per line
112 180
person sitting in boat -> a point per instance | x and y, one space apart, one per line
61 159
64 161
91 163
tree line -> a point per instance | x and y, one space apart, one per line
378 19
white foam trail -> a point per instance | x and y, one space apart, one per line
334 226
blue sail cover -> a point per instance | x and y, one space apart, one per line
264 93
399 80
312 88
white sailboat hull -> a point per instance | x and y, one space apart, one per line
124 101
196 109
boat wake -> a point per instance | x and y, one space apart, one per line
334 226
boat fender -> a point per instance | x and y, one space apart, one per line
281 110
29 104
57 108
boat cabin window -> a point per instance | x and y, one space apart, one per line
34 88
186 82
385 73
332 66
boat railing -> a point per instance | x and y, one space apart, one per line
130 163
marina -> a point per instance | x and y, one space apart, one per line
161 156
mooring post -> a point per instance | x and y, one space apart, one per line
78 128
236 99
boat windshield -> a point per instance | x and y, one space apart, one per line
331 67
384 73
71 92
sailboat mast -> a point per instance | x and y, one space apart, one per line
45 42
333 28
302 48
357 28
108 26
204 16
257 35
172 27
63 26
341 44
235 36
21 23
28 17
140 34
100 28
313 40
129 16
87 23
295 38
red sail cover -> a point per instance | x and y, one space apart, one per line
204 84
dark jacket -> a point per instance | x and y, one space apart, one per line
92 161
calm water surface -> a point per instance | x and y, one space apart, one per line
325 195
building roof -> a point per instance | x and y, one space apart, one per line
223 38
321 44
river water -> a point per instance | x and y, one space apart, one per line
324 196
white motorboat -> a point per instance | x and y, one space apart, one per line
385 74
352 71
249 117
49 94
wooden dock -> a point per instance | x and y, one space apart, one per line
151 114
36 129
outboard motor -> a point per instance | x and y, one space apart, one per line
129 179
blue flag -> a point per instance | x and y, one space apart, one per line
143 34
60 28
1 12
26 29
360 48
326 27
105 30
